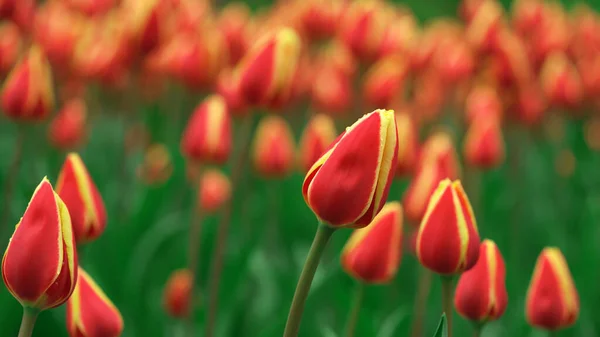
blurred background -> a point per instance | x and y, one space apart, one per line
127 76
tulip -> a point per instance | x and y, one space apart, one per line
530 105
157 166
177 293
234 20
454 60
484 145
552 301
316 138
483 28
27 92
561 82
228 87
67 130
527 15
79 193
207 136
439 148
320 19
361 29
400 36
23 14
421 187
331 91
482 102
513 63
90 313
214 191
147 20
56 30
429 96
384 81
408 144
10 46
273 148
481 291
552 35
91 7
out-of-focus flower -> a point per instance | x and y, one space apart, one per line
6 8
67 130
429 95
214 190
316 138
90 313
400 36
39 266
484 144
92 7
338 56
448 240
384 81
228 86
408 144
454 60
530 105
273 148
27 92
585 40
561 82
23 13
439 149
361 29
349 184
527 15
480 294
552 35
157 166
589 70
552 301
177 293
320 19
373 253
483 28
233 23
148 22
482 102
10 46
513 66
184 16
79 193
422 185
331 90
207 136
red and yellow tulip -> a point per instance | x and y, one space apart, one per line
177 293
273 148
214 190
67 130
316 138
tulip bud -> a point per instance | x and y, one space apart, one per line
454 61
384 81
349 184
79 193
483 28
67 130
148 22
429 96
561 82
530 105
552 301
400 36
57 30
267 72
177 293
273 148
331 90
234 20
421 187
320 19
362 30
484 145
408 144
27 92
480 293
513 63
552 35
23 13
215 190
482 102
372 254
10 46
91 7
439 149
316 138
228 87
157 166
527 16
90 312
39 266
448 240
207 137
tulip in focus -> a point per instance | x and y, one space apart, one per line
408 144
68 130
273 148
552 301
39 266
177 293
316 138
90 313
372 254
349 184
484 144
448 240
79 193
10 46
214 191
384 81
480 294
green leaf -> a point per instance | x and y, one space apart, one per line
442 329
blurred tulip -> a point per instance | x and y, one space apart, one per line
320 19
92 7
233 23
512 62
273 148
339 57
6 8
184 16
589 70
39 266
561 82
552 301
157 166
429 95
207 136
400 37
421 187
90 313
372 254
177 293
527 15
10 46
484 144
23 13
82 198
439 149
228 86
408 144
147 21
67 130
349 184
483 28
530 105
316 139
27 92
215 190
384 82
552 35
482 102
361 29
448 240
454 60
585 40
480 294
331 91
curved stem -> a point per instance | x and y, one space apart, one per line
193 259
12 176
306 277
423 289
28 322
359 292
447 292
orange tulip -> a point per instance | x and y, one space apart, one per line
214 191
177 293
316 138
273 148
484 144
67 130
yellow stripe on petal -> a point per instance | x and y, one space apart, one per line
67 236
561 269
490 250
461 223
285 58
359 234
75 304
459 188
216 110
98 291
84 189
389 138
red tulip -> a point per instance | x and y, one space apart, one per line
361 29
273 148
408 144
10 46
214 191
68 131
331 90
228 86
384 82
92 7
561 81
234 20
484 144
316 138
177 293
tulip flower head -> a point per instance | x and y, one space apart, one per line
214 191
317 136
177 293
39 266
273 149
349 184
67 130
484 144
408 144
10 45
421 187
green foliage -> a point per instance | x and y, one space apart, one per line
442 329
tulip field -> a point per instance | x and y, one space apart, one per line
312 168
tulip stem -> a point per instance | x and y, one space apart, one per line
317 248
477 327
423 289
447 285
193 260
28 322
12 176
359 291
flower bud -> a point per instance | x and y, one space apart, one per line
530 105
439 149
177 293
484 145
316 138
384 81
27 92
10 46
215 190
552 35
67 130
454 60
421 187
408 144
361 29
552 301
228 86
482 102
234 20
90 313
400 36
147 20
480 294
448 240
483 27
273 148
79 193
527 15
320 19
57 30
331 91
39 266
561 82
349 184
157 166
207 136
372 254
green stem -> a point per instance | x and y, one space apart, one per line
193 260
359 292
423 289
447 292
28 322
317 248
12 175
477 327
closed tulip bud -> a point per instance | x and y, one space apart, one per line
561 82
372 254
90 313
384 81
421 187
67 130
320 19
362 30
553 35
482 102
177 293
408 144
92 7
273 148
316 138
339 57
147 21
552 301
57 30
331 91
157 166
448 240
439 149
39 266
79 193
483 28
214 191
400 36
513 63
349 184
429 96
454 60
207 137
234 21
10 46
27 93
527 15
228 86
268 70
530 105
484 144
480 294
